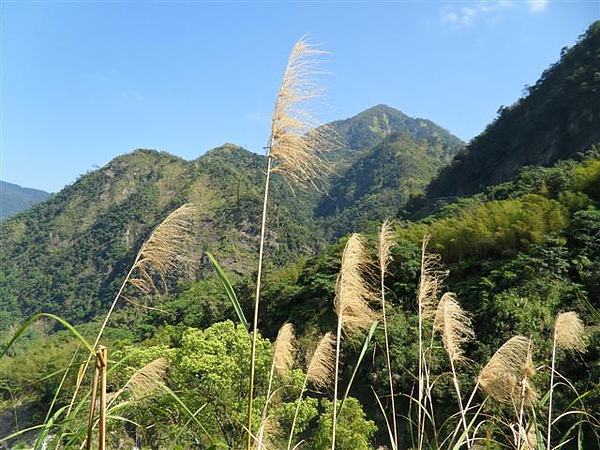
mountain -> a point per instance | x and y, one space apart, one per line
559 117
68 255
361 133
14 198
388 158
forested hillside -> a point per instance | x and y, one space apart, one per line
69 254
475 327
87 234
557 117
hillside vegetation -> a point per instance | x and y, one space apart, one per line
558 116
475 327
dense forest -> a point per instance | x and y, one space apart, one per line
460 317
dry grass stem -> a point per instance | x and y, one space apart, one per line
166 251
453 324
298 141
505 377
432 277
352 292
569 332
283 355
322 363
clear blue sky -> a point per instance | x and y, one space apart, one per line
86 81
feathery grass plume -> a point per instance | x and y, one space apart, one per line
455 327
386 242
294 150
352 295
505 375
298 140
146 380
453 324
569 334
431 279
166 251
283 353
163 253
322 362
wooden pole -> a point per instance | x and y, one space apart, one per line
102 361
88 441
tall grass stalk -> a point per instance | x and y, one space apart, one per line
283 358
163 253
386 242
351 303
431 278
319 372
456 329
293 148
568 334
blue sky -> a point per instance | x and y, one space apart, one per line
85 81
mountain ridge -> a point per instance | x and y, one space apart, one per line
15 198
558 118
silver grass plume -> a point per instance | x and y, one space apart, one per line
352 293
322 362
386 242
432 277
505 377
294 150
146 380
166 251
569 332
298 140
453 324
283 353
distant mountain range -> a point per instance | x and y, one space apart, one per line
14 198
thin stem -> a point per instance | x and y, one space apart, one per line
88 441
256 303
296 412
335 388
420 375
549 432
264 413
389 364
460 405
102 356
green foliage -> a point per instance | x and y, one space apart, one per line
354 431
494 228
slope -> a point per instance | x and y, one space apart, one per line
70 253
559 117
375 182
